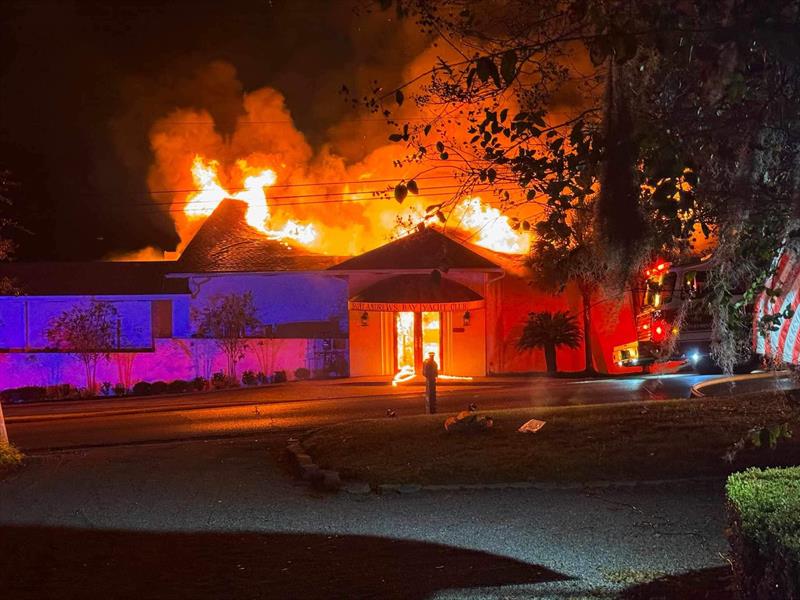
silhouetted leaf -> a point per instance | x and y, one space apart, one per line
508 66
400 192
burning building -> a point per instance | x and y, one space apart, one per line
373 314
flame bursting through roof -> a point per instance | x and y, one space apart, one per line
203 203
485 225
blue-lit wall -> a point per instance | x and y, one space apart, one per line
134 313
280 299
285 298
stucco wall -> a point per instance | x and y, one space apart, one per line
284 298
172 359
512 298
134 313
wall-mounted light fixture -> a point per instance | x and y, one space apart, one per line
467 319
364 319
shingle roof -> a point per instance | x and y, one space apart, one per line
93 278
225 243
423 249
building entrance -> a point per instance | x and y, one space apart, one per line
417 334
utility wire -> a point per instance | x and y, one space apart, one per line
304 203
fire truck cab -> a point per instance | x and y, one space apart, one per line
660 303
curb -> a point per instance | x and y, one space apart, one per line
410 488
322 479
697 389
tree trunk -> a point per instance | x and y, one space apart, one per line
3 430
550 359
586 299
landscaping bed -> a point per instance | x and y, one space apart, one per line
629 441
764 532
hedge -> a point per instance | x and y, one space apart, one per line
764 532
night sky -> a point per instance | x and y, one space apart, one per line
82 82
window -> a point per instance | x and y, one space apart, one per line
162 318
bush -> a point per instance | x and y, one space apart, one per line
28 393
106 388
261 378
199 383
179 386
249 378
62 390
142 388
302 373
120 390
218 380
764 532
279 377
9 456
159 387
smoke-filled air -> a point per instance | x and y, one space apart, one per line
304 195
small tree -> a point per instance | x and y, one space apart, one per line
228 319
548 331
89 333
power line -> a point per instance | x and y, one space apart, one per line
306 203
283 185
373 193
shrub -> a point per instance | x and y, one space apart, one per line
218 380
199 383
9 456
179 386
261 378
159 387
249 378
28 393
279 377
119 389
106 388
302 373
764 532
57 392
142 388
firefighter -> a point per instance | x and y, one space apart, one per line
430 370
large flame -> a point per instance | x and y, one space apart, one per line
210 193
489 227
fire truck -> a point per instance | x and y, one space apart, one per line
673 322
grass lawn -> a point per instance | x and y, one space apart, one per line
629 441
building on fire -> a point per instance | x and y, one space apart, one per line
368 315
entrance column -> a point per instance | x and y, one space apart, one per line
418 358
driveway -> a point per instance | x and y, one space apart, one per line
223 519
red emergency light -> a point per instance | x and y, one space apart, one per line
660 330
657 269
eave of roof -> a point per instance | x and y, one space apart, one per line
93 278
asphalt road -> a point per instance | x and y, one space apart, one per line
221 519
303 406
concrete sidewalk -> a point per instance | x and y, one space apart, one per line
165 498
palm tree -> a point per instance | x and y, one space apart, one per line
549 331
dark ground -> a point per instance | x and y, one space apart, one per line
225 519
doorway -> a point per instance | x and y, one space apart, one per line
416 335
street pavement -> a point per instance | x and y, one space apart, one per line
222 519
305 405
